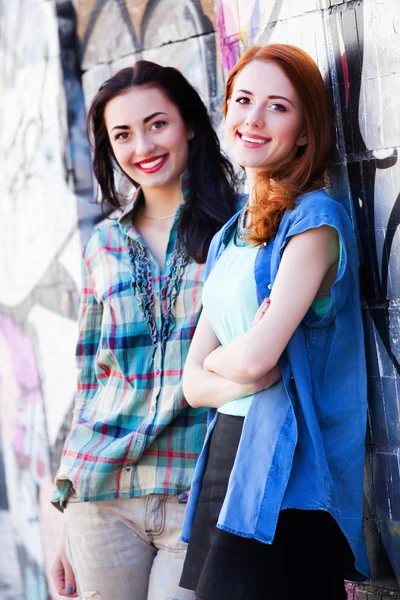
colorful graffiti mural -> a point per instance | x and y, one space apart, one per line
39 267
54 54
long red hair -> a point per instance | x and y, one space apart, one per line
277 191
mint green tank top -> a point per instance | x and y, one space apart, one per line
230 303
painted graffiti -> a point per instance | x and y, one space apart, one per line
39 268
53 57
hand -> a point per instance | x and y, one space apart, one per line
61 571
262 309
274 374
266 381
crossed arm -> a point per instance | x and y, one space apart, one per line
214 374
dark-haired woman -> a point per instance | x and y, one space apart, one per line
134 440
275 510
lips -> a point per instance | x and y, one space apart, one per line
152 164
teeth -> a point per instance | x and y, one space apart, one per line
153 163
252 140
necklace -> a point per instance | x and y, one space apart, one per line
157 218
241 231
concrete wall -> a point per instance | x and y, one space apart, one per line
45 205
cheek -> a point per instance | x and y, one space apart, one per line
181 144
292 130
177 141
121 154
229 124
119 151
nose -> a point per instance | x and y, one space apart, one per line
144 145
255 118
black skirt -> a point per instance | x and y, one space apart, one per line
305 560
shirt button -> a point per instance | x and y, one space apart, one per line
139 442
168 263
153 409
158 371
128 468
269 286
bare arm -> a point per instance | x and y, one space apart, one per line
305 262
204 388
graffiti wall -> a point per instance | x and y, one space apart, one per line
54 54
40 271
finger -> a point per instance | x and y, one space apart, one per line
70 583
262 309
65 585
184 497
259 315
265 303
57 575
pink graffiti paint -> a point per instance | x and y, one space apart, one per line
22 355
230 49
351 590
28 435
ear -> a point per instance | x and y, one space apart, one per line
302 140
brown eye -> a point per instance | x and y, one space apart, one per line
123 135
242 100
278 107
158 125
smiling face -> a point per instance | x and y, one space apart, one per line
265 123
149 137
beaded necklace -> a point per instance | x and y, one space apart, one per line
241 230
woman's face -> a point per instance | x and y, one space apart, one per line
148 136
265 123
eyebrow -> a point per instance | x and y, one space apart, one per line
145 120
273 97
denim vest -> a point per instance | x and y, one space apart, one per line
307 438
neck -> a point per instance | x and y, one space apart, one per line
160 202
251 176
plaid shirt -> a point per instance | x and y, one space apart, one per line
133 433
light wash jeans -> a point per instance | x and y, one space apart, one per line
127 549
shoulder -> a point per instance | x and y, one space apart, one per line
318 201
315 209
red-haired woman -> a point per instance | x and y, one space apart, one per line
275 510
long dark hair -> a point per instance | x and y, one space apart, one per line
212 201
